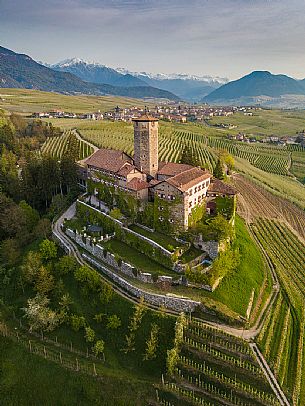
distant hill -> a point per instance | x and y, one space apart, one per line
257 86
21 71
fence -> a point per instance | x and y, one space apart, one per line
58 353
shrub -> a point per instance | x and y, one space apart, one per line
77 322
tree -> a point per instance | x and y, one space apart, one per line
89 334
10 251
172 360
48 249
220 228
116 213
106 293
98 347
43 228
113 322
152 343
44 282
31 266
77 322
189 156
31 216
39 315
229 161
218 170
66 264
65 302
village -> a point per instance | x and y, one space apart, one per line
168 111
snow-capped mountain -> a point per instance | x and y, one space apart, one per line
187 87
175 76
97 73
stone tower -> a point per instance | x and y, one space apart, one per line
146 144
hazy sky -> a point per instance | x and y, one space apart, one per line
216 37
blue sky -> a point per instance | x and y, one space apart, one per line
226 38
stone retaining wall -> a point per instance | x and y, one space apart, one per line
107 257
151 242
170 302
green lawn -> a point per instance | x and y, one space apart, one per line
165 240
235 288
136 258
190 254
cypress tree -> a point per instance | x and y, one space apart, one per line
218 170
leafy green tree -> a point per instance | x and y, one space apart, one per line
43 228
218 170
31 215
44 282
190 156
39 315
106 293
89 334
98 347
134 324
77 322
31 266
10 251
114 322
172 360
116 213
65 302
66 264
152 343
48 250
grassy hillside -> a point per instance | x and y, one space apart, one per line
25 380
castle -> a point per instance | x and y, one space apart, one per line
176 189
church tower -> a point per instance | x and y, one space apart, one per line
146 144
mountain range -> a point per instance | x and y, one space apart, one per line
187 87
21 71
75 76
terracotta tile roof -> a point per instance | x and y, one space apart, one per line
108 159
185 180
217 186
126 169
154 182
172 168
137 184
145 117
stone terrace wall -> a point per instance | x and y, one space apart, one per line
128 230
98 251
173 303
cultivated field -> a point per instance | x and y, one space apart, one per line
57 146
265 122
30 101
215 368
282 338
256 202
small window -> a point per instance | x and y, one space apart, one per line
190 192
195 189
190 204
